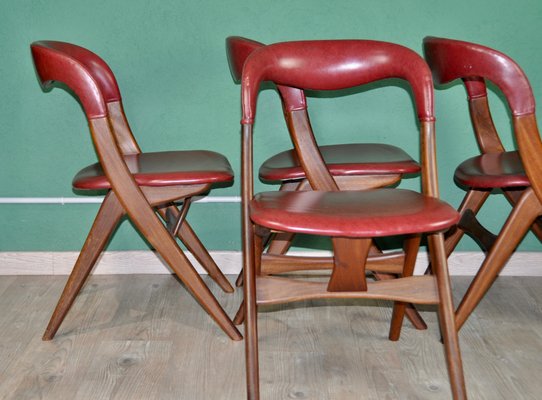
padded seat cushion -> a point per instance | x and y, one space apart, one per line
492 170
166 168
370 213
343 159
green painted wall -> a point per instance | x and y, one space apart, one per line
171 66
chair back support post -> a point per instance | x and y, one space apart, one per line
428 159
484 129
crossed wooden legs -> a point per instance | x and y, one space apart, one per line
187 235
106 221
498 249
523 216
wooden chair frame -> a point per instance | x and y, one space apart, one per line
95 86
450 60
348 275
275 260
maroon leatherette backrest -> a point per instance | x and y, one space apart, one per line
334 65
453 59
238 49
83 71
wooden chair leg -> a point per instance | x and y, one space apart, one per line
474 199
194 245
106 221
251 317
410 311
143 216
239 280
240 315
513 197
187 235
412 244
173 255
518 223
446 317
281 242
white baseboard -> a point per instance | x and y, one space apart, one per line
147 262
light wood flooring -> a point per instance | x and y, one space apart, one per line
144 337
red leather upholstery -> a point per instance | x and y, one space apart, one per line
343 159
238 49
94 83
492 170
347 159
454 59
164 168
86 73
333 65
371 213
55 66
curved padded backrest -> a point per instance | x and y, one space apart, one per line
83 71
238 49
453 59
334 65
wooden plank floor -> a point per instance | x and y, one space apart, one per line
143 337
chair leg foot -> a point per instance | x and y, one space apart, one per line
514 230
240 315
187 235
239 280
447 318
106 221
397 317
186 273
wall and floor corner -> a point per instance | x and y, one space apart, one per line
170 61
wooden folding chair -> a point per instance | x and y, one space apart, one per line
516 174
351 218
136 184
354 166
